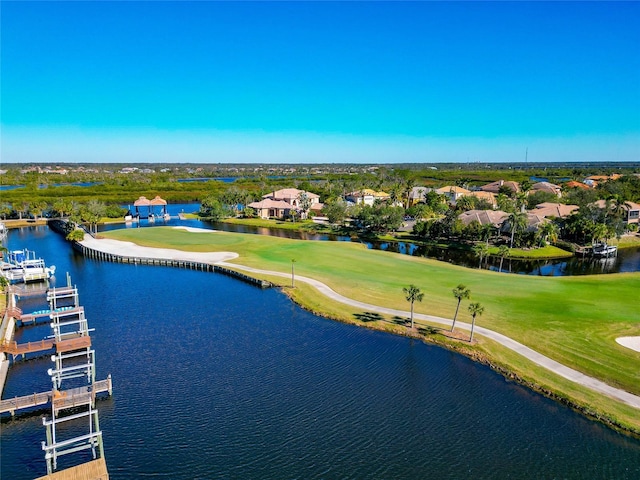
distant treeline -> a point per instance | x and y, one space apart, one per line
109 185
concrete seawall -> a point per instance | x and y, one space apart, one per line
167 262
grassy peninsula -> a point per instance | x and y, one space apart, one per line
573 320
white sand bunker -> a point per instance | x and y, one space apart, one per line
128 249
196 230
630 342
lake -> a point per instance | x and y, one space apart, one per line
214 378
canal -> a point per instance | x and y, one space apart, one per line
214 378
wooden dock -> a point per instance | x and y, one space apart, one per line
93 470
28 318
64 399
71 342
24 291
61 346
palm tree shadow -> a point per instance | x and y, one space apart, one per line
368 317
400 320
429 330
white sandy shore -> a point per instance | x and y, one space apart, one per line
128 249
630 342
196 230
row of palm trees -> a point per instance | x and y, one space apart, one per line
414 294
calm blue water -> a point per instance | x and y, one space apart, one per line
217 379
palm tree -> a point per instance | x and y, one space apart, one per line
525 186
410 183
517 221
486 231
465 203
413 294
600 231
503 251
474 309
481 250
521 201
395 193
460 292
548 231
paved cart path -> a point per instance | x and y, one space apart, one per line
221 258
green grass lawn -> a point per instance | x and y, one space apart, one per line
573 320
300 225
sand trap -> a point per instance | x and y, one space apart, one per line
197 230
128 249
630 342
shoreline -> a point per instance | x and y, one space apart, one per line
455 345
483 357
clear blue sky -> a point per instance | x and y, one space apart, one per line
320 82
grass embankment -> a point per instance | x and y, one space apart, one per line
573 320
26 222
627 241
298 226
548 251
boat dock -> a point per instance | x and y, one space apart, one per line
73 397
74 367
60 346
93 470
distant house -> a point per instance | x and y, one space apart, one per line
494 187
632 209
594 180
366 196
418 195
488 197
484 217
280 203
452 192
547 187
533 222
548 209
574 184
269 208
292 196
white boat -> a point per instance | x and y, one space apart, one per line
23 266
604 250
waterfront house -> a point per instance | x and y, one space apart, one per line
281 203
632 210
269 208
292 196
484 217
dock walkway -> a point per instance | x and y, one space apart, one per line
61 346
63 399
93 470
